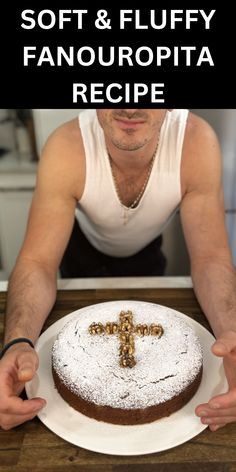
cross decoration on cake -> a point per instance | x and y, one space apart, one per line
126 331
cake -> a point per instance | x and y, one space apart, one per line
127 362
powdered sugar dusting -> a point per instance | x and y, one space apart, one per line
89 365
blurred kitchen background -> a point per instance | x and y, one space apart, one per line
22 135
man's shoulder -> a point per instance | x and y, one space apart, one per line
63 155
201 157
199 130
200 142
65 146
67 136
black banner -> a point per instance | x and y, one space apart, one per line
73 55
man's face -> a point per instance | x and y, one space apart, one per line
130 130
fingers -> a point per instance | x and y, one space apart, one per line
219 411
17 406
220 404
204 411
17 367
27 363
9 422
219 349
26 373
225 344
219 421
225 400
215 427
15 411
216 422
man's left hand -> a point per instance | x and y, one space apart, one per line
221 409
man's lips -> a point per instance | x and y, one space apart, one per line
122 123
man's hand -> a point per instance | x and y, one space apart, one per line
221 409
18 365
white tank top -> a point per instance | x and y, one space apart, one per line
99 211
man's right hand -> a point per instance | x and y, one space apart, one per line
18 366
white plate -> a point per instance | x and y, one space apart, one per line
98 436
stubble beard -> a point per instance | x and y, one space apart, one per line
132 146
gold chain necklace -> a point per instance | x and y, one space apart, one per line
125 208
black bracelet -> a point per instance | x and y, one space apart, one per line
15 341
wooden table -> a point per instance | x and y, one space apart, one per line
32 446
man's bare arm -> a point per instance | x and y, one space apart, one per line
212 269
32 286
202 213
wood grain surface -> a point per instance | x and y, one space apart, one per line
32 447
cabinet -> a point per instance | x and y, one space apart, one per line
16 190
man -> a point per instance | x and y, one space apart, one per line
126 171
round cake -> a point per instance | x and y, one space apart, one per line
127 362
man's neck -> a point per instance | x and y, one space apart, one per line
129 161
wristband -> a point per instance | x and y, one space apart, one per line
15 341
